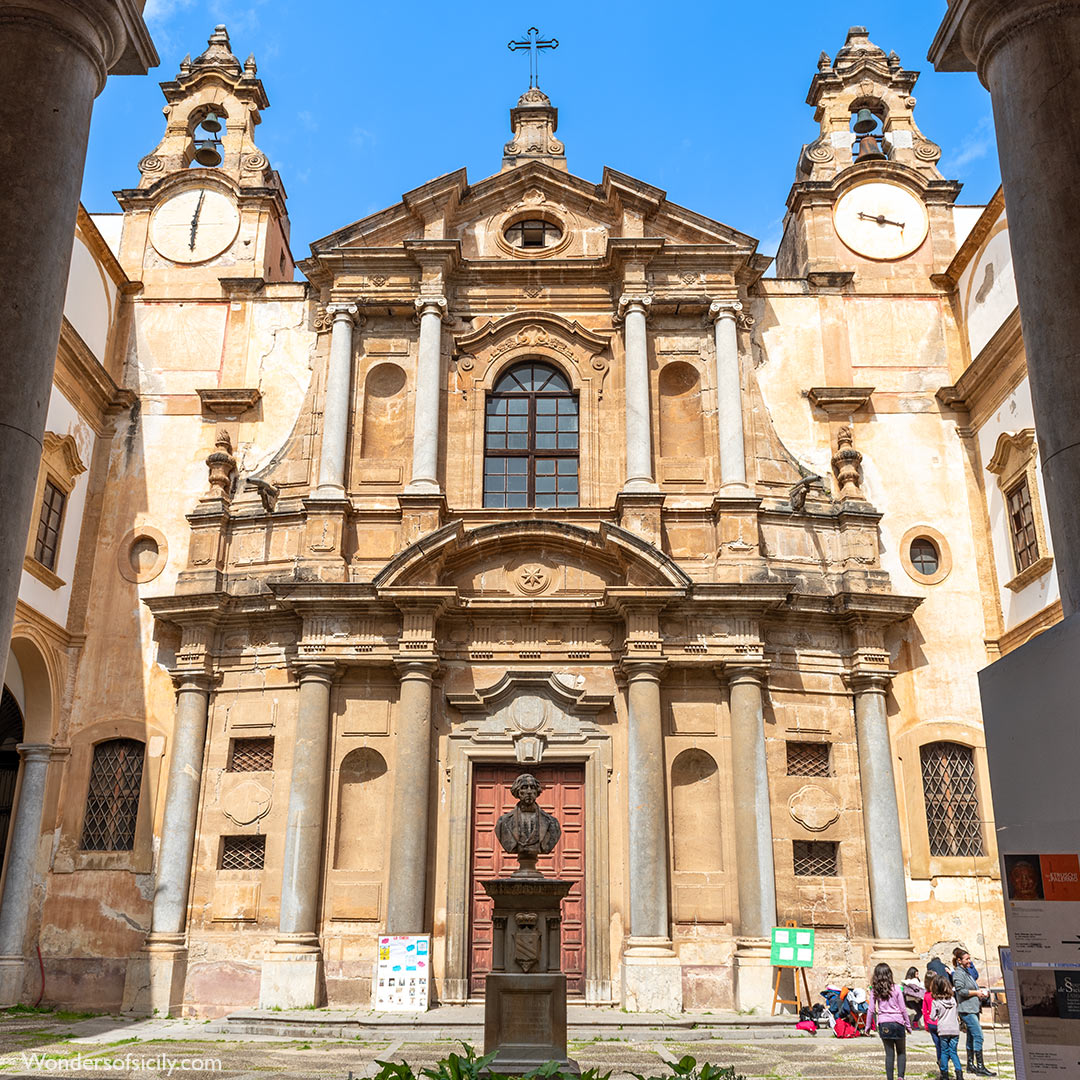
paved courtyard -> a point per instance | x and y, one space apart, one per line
35 1044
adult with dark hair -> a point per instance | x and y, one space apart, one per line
886 1005
928 1001
969 999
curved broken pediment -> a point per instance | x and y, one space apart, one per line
533 559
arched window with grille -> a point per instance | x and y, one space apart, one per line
112 802
952 800
531 439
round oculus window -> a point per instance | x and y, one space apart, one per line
533 233
924 556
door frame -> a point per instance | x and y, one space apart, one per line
564 738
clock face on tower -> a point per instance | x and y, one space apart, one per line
879 220
195 225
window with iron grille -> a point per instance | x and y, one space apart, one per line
112 803
1022 525
242 852
533 233
251 755
49 521
816 858
952 800
531 440
808 758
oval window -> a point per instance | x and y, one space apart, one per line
924 556
533 233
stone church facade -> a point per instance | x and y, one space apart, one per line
529 474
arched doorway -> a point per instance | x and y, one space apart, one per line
11 734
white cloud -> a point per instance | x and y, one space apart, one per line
976 144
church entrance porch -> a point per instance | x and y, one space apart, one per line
563 795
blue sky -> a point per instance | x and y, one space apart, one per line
703 99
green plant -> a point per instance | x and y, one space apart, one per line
687 1069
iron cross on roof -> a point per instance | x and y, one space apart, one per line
533 43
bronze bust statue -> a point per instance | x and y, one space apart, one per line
527 831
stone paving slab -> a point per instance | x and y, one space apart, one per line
154 1049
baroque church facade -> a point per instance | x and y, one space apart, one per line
533 474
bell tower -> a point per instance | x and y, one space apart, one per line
868 196
208 204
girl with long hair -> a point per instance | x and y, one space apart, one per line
893 1023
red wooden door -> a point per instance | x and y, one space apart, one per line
563 796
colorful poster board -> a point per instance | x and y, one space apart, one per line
403 975
1042 895
792 946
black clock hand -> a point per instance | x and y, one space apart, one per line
195 219
881 219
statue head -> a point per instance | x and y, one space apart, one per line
526 788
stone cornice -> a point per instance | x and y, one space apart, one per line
85 383
1003 354
100 249
972 242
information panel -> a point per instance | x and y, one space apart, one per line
402 980
792 947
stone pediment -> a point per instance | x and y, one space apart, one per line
536 560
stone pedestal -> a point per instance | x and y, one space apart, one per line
651 977
754 974
154 983
527 924
11 979
292 978
525 1021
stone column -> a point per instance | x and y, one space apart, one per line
729 411
155 978
292 971
881 820
639 463
22 850
430 310
753 838
407 907
1027 54
54 58
337 403
651 974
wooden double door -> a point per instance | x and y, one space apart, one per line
563 795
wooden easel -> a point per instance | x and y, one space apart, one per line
795 973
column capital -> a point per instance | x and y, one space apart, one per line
416 667
430 305
194 680
729 309
860 681
748 672
35 751
633 302
324 671
651 669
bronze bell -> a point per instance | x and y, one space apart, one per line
212 122
870 149
208 153
865 122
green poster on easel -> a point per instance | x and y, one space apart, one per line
792 946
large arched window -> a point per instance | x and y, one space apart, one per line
531 439
952 799
112 803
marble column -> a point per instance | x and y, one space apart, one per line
881 818
292 976
431 310
155 979
729 411
639 460
22 850
54 59
754 868
651 973
1027 54
337 402
407 907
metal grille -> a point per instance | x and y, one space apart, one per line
112 803
252 755
952 799
48 532
808 758
243 852
815 858
1022 525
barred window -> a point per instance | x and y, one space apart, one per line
816 858
808 758
952 799
251 755
112 803
242 852
1022 525
49 520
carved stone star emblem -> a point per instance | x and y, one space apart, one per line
532 577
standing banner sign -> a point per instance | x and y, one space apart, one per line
403 976
792 946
